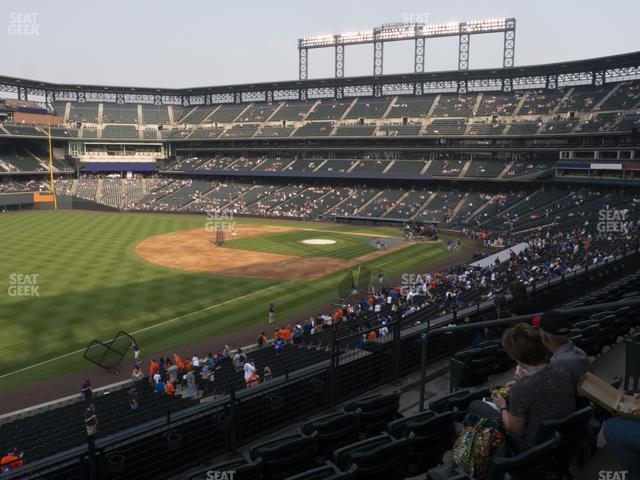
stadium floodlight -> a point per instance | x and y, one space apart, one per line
317 41
487 26
440 30
351 38
396 31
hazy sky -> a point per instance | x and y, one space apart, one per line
162 43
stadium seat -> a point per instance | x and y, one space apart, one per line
432 435
376 457
573 431
632 365
285 456
333 431
531 464
375 412
457 402
473 367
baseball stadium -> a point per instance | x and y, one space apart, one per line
431 273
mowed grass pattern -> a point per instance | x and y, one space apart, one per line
290 243
92 284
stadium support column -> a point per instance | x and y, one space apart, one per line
339 63
508 54
303 54
419 55
378 57
463 48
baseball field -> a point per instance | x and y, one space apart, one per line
69 277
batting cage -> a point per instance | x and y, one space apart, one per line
356 280
109 355
219 242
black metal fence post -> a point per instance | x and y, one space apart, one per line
333 368
93 463
233 421
423 368
396 351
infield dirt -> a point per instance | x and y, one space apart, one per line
194 251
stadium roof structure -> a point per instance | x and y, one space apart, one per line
594 71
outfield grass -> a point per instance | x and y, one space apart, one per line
290 243
92 284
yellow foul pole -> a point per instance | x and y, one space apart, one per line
53 186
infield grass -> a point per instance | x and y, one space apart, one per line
291 243
91 284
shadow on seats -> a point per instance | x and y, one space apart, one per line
433 434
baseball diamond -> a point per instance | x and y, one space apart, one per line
139 270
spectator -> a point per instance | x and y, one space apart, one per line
544 393
272 313
262 339
162 366
173 373
253 380
91 420
159 385
279 344
210 361
191 384
623 439
195 361
11 461
136 349
554 328
308 325
85 391
133 398
169 389
285 333
226 353
520 304
239 359
249 370
207 376
266 374
219 358
297 334
178 361
136 375
154 368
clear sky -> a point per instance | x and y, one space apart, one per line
162 43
